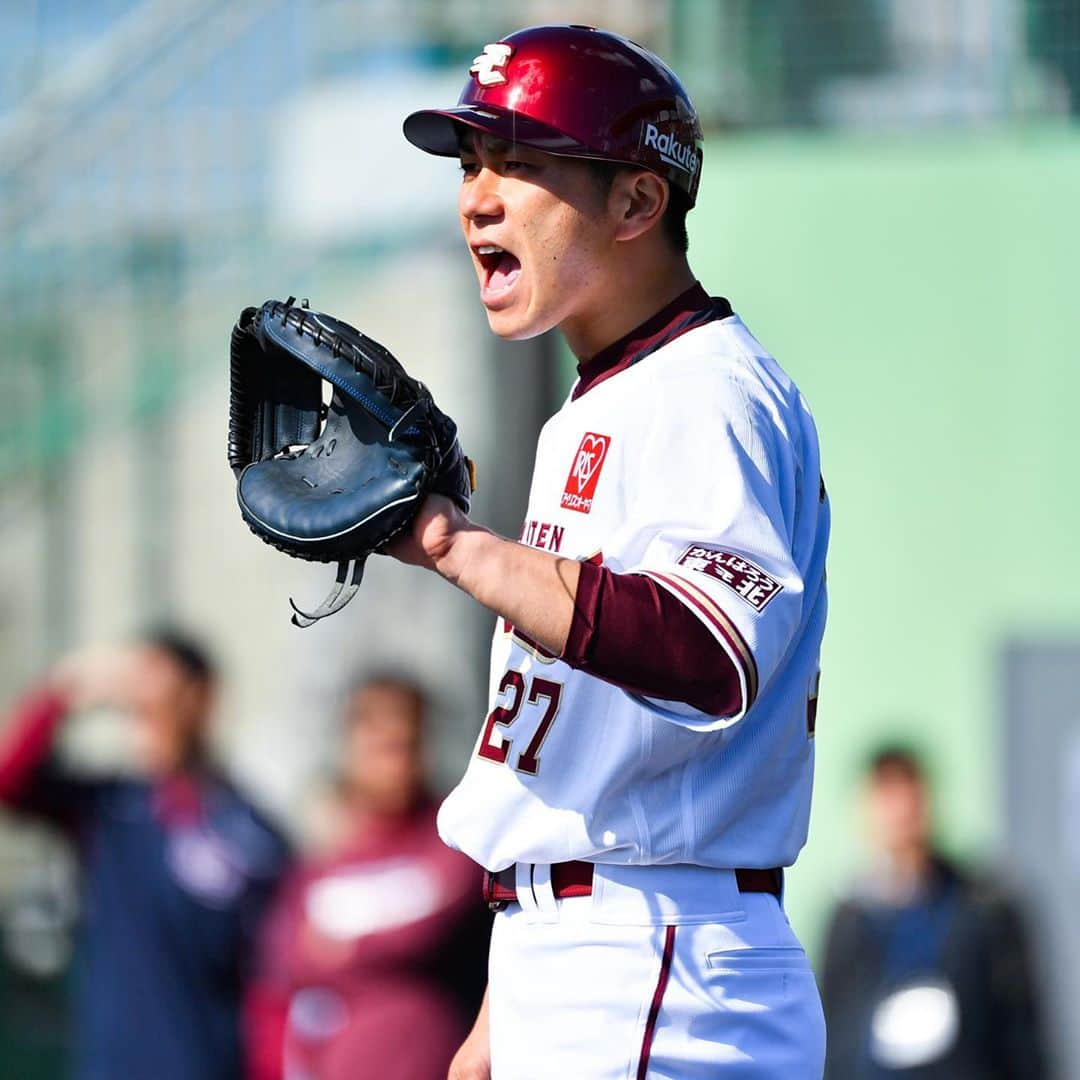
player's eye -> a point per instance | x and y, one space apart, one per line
513 165
470 168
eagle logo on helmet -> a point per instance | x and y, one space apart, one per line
489 66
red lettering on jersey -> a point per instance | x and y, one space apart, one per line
585 472
542 534
744 578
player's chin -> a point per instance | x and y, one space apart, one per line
515 325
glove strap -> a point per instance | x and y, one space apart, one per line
339 595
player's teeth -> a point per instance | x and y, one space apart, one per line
489 249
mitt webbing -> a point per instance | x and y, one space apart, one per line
339 595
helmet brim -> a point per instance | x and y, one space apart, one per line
438 131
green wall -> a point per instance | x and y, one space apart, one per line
923 294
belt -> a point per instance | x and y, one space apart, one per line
575 879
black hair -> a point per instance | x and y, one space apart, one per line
395 679
674 220
896 758
185 650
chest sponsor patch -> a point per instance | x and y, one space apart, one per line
585 472
744 578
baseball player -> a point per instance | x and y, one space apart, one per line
644 773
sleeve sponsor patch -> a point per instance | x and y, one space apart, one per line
744 578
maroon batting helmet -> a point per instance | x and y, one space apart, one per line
578 92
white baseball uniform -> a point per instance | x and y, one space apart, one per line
695 464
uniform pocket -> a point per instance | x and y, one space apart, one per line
766 1003
786 958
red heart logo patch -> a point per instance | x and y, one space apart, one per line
585 472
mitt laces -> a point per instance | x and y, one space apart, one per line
384 372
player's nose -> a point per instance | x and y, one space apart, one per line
480 197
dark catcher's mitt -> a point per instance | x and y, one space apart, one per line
332 482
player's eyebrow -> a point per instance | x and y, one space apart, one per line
468 139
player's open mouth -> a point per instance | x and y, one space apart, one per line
501 270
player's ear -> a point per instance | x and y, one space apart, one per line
639 199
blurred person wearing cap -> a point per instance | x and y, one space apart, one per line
373 959
644 773
177 866
927 970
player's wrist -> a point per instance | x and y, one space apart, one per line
467 552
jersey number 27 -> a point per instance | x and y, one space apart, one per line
513 690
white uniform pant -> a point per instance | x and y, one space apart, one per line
663 972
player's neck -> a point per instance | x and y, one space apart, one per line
631 297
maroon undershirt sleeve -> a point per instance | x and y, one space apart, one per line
26 744
629 631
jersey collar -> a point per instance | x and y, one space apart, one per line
687 311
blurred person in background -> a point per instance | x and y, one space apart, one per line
177 866
927 970
374 957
